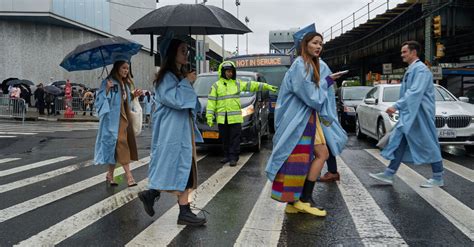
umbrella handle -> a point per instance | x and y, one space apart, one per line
103 60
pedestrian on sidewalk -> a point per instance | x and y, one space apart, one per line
115 143
298 134
414 138
39 98
224 102
173 164
88 102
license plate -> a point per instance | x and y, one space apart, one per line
210 135
447 133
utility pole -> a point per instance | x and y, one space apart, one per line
237 3
247 35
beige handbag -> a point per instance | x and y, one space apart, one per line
136 116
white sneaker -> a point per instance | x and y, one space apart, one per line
430 183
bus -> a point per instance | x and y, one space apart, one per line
272 66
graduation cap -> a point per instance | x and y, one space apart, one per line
298 36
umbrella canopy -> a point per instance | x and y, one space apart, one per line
100 53
52 90
18 82
5 86
188 19
62 83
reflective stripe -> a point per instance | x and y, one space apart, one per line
212 98
248 86
210 111
231 113
214 86
260 87
238 86
228 97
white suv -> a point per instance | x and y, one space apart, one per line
454 118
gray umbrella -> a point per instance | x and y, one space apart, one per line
52 90
187 19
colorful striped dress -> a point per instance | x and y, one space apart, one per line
289 181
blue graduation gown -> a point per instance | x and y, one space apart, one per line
171 144
108 110
335 135
298 96
416 108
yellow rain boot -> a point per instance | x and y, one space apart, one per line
290 209
306 208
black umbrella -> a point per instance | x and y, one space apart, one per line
18 82
52 90
5 86
188 19
62 83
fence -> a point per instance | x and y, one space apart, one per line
13 108
76 102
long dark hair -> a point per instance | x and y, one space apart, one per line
169 62
114 73
307 58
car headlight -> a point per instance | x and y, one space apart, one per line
249 110
394 117
349 109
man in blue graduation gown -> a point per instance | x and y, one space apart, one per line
414 138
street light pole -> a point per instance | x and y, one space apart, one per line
247 35
237 3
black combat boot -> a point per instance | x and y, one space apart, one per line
148 197
187 217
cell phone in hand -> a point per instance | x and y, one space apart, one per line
340 73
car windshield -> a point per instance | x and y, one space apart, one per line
391 94
354 93
442 95
203 84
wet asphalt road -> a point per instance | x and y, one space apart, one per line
52 194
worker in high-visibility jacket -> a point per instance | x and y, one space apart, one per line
224 102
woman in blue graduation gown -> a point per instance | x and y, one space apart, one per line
173 166
302 96
115 143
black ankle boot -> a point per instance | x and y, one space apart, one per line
187 217
148 197
307 193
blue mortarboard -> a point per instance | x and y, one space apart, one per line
121 57
298 36
165 44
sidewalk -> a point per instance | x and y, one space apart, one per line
33 115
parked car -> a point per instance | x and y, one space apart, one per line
254 110
454 118
348 98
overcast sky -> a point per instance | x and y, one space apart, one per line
266 15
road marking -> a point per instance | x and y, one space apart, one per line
7 136
373 226
44 176
17 133
263 226
456 212
8 160
32 204
164 229
34 165
75 223
459 170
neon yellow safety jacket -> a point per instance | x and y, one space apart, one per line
224 97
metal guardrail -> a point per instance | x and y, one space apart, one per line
13 108
76 102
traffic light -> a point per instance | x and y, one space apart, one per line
437 26
439 50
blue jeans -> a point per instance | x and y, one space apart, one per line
437 167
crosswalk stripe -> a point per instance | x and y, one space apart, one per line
264 224
164 229
34 165
70 226
7 136
456 212
32 204
459 170
31 180
17 133
8 160
373 226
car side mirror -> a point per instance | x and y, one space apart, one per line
464 99
370 101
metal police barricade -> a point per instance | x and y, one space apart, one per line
13 108
77 104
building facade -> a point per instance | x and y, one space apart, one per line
281 41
